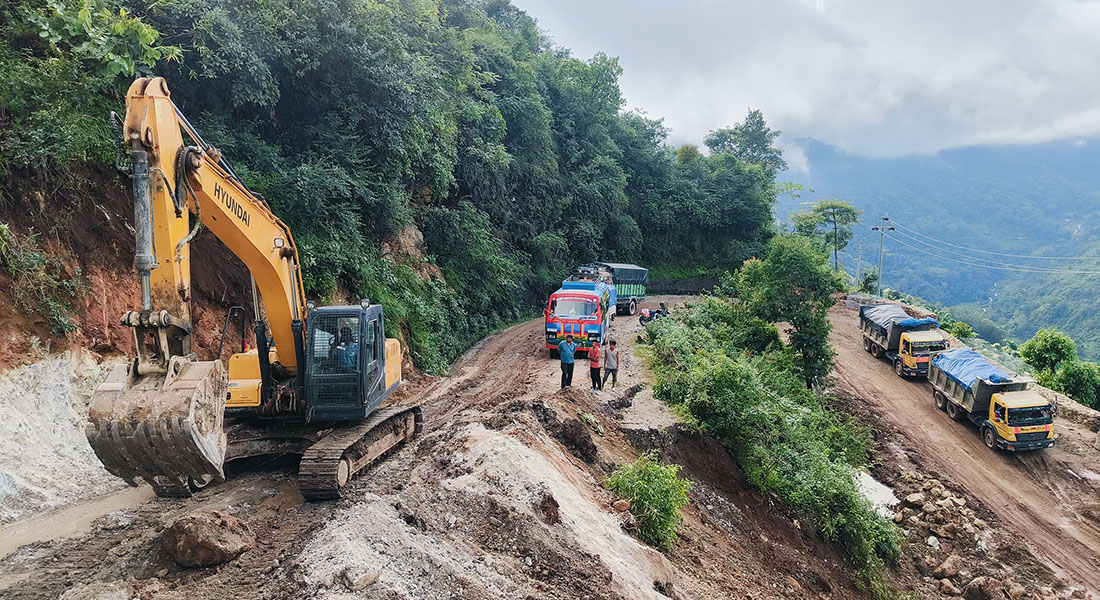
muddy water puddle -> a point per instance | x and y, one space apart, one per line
68 521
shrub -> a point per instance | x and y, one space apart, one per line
960 330
782 434
1079 380
39 281
656 495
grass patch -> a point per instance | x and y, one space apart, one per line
656 494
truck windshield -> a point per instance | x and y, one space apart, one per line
1032 415
573 307
926 348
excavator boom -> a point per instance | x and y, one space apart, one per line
161 418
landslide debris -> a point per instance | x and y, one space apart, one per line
206 538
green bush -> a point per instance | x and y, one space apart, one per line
782 434
656 495
1077 379
960 330
39 281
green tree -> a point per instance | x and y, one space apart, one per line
1079 380
829 220
868 281
750 140
960 330
1048 349
793 283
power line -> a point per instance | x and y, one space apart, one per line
977 258
999 267
1005 254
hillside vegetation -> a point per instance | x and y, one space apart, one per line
358 119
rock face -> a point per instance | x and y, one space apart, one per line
207 538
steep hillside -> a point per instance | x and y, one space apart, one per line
360 119
1024 200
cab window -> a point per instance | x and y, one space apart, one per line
999 413
905 347
371 348
335 345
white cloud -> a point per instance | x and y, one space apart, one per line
874 77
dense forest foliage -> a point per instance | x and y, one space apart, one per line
358 119
1014 200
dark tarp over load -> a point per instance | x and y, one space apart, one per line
883 315
965 366
630 280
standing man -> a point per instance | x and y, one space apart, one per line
567 350
594 361
611 364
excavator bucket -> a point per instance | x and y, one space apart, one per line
166 428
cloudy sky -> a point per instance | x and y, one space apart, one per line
875 77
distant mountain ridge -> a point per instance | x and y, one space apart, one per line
1041 199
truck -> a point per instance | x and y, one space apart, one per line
907 342
1009 413
630 284
581 307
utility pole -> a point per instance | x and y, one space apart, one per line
881 229
859 262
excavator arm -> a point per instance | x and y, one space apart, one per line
160 417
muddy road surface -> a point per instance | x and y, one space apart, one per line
501 496
1048 499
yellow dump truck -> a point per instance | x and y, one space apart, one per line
1009 414
907 342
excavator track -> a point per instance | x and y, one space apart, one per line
328 465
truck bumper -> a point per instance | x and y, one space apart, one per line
908 372
1025 446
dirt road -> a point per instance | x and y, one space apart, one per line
501 496
1048 498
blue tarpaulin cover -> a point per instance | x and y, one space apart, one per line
965 366
885 314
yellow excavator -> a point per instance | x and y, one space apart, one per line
313 384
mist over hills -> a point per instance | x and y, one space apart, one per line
1041 199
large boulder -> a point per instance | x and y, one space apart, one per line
206 538
949 567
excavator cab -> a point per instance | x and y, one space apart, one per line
345 374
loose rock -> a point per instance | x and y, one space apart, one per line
621 505
206 538
933 542
358 578
949 567
982 588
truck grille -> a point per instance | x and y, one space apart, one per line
1031 437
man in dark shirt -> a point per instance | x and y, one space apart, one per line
567 350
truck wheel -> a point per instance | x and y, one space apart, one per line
990 437
866 344
876 350
898 368
954 411
940 400
633 307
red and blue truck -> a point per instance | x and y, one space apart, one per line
583 307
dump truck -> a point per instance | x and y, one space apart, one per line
907 342
630 283
581 307
1009 413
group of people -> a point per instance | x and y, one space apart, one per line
598 360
